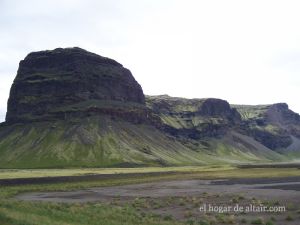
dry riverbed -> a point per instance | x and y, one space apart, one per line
231 201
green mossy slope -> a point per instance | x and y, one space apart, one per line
104 142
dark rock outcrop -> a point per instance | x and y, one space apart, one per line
212 107
62 82
281 114
271 140
272 125
194 118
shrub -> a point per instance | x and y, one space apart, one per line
257 221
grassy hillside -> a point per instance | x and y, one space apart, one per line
103 142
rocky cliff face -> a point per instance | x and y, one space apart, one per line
70 107
62 82
219 108
281 115
194 118
272 125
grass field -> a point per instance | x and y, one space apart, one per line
29 173
15 212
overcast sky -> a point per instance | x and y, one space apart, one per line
247 52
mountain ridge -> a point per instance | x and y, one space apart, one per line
70 107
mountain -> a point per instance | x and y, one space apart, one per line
56 84
72 108
275 126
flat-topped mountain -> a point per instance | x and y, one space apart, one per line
70 107
52 84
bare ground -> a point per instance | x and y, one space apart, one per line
181 199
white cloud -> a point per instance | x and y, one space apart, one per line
242 51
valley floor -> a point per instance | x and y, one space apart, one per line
156 196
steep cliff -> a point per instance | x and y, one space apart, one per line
194 118
275 126
70 107
70 82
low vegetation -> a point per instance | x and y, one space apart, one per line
143 211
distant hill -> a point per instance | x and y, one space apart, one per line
73 108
